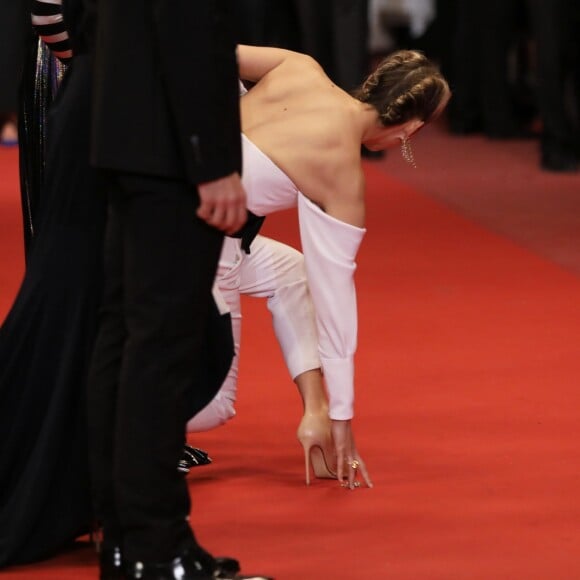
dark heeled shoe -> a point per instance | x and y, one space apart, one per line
314 433
192 457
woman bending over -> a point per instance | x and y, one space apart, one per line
302 138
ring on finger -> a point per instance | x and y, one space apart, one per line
346 484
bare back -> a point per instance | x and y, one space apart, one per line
307 126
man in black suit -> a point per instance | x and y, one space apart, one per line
554 27
484 35
166 135
335 33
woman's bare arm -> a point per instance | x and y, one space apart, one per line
255 62
347 201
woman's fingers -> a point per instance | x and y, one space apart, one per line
349 462
340 463
352 472
357 466
364 473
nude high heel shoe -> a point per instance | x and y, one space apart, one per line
314 434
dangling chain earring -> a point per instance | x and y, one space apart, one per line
407 152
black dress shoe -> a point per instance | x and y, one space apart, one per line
111 563
192 457
112 567
180 568
509 132
195 564
226 567
559 160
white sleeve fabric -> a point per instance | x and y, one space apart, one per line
276 271
330 247
226 292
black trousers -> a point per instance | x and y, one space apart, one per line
555 30
148 374
335 33
484 33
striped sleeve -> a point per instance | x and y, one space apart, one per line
48 21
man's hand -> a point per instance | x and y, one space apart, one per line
223 203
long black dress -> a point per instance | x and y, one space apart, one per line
46 340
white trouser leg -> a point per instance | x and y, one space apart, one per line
221 408
276 272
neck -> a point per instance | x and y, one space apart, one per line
377 137
368 122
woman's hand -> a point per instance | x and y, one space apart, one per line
348 461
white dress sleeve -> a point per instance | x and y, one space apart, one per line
330 247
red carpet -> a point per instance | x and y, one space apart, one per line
11 237
468 415
500 185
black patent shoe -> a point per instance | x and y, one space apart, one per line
226 567
111 563
191 565
112 567
192 457
559 160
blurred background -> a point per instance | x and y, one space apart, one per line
506 151
513 64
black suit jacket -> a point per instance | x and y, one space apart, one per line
166 89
